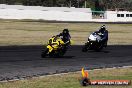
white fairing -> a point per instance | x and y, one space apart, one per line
94 37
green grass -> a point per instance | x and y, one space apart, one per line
71 80
22 32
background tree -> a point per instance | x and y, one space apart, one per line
94 4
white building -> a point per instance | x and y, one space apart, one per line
45 13
118 16
60 14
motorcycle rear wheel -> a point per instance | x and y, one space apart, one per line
99 48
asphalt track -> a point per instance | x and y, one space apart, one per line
25 61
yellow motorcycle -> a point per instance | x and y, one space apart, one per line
56 47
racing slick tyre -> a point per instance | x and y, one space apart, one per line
44 53
85 47
99 48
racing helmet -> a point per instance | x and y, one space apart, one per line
102 29
65 31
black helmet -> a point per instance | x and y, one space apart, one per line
102 29
65 31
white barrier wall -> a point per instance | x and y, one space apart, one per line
59 14
45 13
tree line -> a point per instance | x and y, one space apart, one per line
94 4
47 3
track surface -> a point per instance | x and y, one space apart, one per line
25 61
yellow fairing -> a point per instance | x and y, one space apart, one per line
54 45
61 42
50 48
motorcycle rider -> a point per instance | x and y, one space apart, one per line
65 35
104 34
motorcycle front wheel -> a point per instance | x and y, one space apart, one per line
44 53
85 47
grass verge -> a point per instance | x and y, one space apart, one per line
15 32
71 80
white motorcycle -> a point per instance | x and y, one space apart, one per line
93 43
